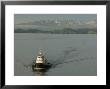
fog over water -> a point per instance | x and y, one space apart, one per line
55 21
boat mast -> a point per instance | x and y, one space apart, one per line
40 52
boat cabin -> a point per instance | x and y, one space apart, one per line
40 58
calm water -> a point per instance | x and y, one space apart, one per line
71 54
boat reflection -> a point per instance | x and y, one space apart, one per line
39 72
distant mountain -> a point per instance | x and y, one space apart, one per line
57 27
62 31
58 24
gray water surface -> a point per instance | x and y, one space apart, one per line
71 54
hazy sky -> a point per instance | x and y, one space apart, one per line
20 18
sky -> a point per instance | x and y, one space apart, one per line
22 18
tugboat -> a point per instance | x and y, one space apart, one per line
41 63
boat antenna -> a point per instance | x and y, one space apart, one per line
40 52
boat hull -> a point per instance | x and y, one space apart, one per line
40 67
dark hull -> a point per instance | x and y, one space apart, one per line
40 67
